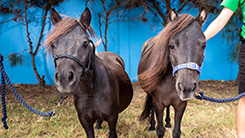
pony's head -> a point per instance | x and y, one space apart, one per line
72 49
186 53
180 42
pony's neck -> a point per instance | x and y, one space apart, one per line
100 72
95 77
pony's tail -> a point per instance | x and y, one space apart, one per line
148 107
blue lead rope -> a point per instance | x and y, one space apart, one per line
201 96
3 101
5 77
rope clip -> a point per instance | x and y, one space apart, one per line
62 98
198 94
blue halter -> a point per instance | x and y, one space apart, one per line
189 65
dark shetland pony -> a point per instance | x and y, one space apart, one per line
181 41
99 83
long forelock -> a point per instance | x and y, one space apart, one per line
63 27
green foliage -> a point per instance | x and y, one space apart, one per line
156 11
211 5
15 8
16 59
44 3
231 35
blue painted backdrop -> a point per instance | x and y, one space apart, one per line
125 39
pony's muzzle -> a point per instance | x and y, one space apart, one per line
186 91
64 80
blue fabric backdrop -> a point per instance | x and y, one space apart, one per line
125 39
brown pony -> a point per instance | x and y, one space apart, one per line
181 41
99 83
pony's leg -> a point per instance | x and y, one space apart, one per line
112 122
167 119
98 125
148 110
88 127
179 111
160 128
152 121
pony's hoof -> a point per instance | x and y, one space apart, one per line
98 127
168 125
152 128
152 132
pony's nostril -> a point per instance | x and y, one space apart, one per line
70 76
56 76
180 85
194 86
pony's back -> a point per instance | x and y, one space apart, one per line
116 65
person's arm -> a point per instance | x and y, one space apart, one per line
218 24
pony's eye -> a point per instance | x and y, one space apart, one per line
52 46
204 45
171 46
85 44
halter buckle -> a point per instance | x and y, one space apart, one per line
192 65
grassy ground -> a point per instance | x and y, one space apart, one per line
202 119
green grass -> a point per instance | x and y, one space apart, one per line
202 119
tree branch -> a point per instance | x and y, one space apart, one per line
27 28
13 19
41 33
100 26
159 12
155 14
40 80
168 6
123 20
182 6
173 2
103 5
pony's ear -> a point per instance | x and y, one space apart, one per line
85 18
202 16
55 17
172 15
